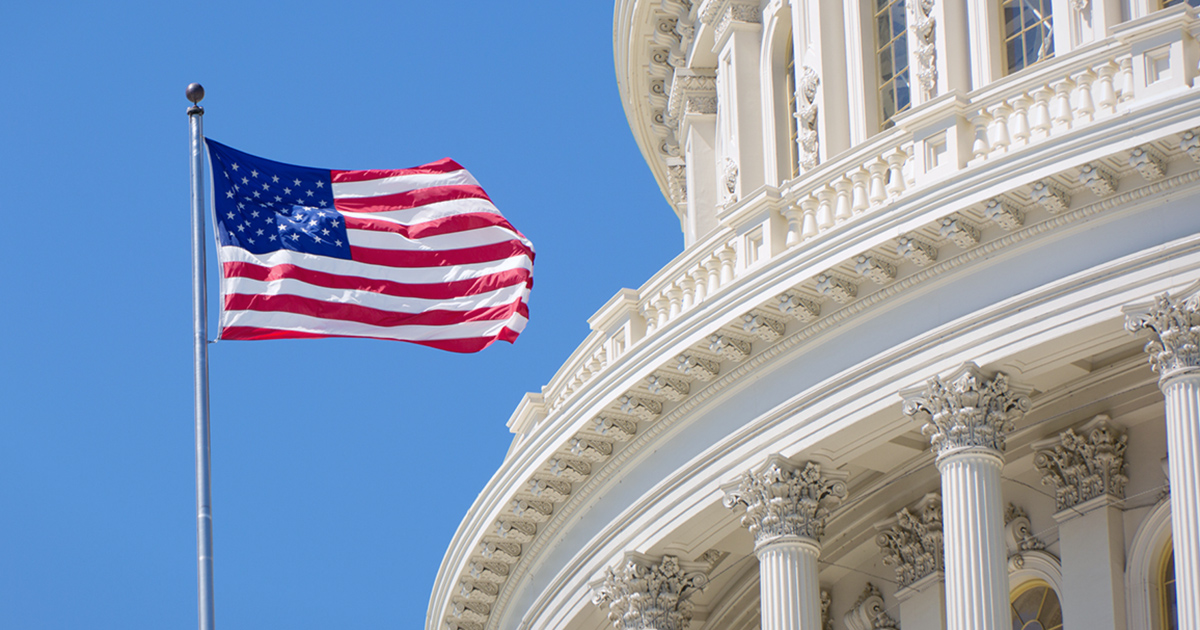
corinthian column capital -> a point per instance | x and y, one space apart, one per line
784 501
1174 324
642 593
967 410
1085 465
911 541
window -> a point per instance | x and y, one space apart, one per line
1166 591
1171 3
891 50
1028 35
1035 606
792 123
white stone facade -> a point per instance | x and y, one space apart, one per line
903 370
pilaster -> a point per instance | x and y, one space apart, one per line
911 542
1086 469
692 104
822 90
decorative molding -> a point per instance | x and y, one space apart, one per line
643 595
478 591
807 82
550 489
923 27
675 389
1085 465
646 409
729 347
911 541
591 450
840 289
1098 178
573 470
1018 533
692 93
868 613
1175 326
1004 214
729 177
500 551
1189 142
619 429
783 501
518 531
799 307
961 231
919 252
826 603
875 268
697 367
766 328
967 410
1149 163
1051 196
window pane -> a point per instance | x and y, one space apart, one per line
1016 56
1012 21
903 98
885 30
901 47
888 97
885 66
898 18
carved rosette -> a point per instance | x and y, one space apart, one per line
923 25
1086 465
912 541
967 411
782 501
1174 346
642 595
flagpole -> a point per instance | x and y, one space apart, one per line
204 541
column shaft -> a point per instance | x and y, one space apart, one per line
973 530
788 585
1182 393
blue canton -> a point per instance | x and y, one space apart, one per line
264 206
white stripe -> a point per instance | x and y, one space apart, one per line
410 275
430 212
370 299
401 184
316 325
455 240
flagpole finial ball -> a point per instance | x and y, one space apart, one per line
195 92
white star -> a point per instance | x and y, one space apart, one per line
338 243
266 186
309 193
320 214
241 206
241 228
235 187
270 219
296 237
287 191
278 198
322 202
270 204
297 182
230 215
334 223
312 223
245 180
229 194
272 237
325 232
260 232
256 193
320 184
254 214
254 173
317 238
274 179
235 166
250 239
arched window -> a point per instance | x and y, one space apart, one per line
793 129
1028 32
891 50
1166 590
1035 606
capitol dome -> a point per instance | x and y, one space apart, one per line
929 358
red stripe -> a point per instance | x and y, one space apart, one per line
470 344
436 227
444 165
408 258
367 315
438 291
410 199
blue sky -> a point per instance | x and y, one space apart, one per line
341 468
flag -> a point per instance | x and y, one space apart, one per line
419 254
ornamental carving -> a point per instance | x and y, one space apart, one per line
1149 163
807 81
868 612
1018 532
912 541
923 28
721 13
919 252
1175 343
1085 465
826 603
691 94
799 307
699 368
782 501
967 410
642 595
729 176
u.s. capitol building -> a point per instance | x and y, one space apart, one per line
930 356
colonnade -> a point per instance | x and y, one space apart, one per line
957 539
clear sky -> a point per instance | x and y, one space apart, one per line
341 468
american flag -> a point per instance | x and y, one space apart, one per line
418 254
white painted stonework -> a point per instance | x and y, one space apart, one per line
1005 229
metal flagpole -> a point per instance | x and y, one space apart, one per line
204 541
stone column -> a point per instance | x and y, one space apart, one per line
911 541
785 509
643 593
1174 352
1087 471
968 418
